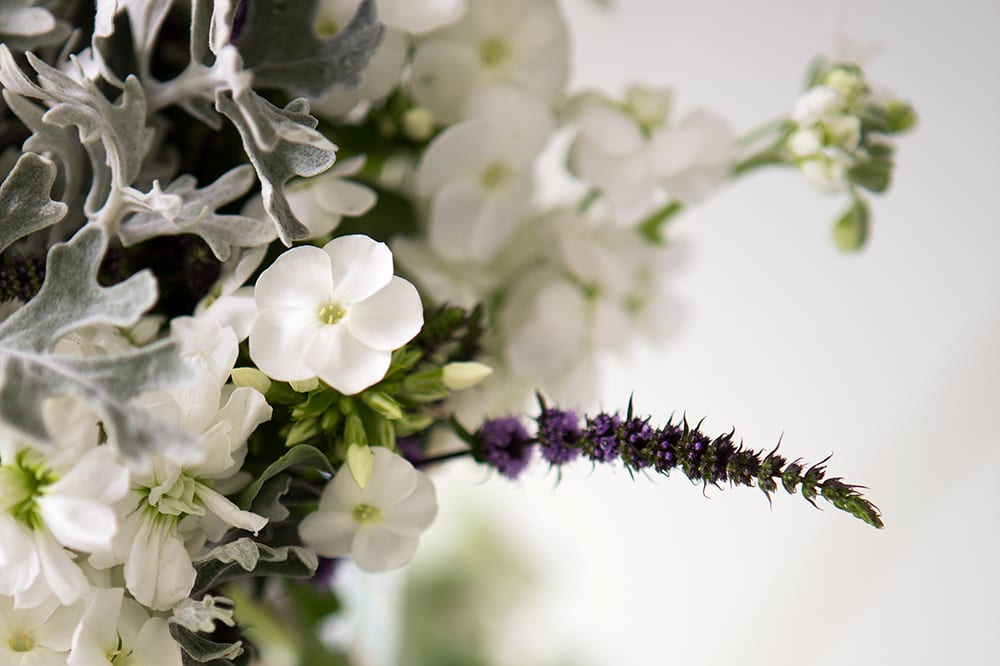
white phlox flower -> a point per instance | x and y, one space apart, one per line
55 500
478 173
116 631
520 42
173 507
321 202
336 313
631 154
38 636
379 525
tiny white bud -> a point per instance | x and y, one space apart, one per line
804 143
465 374
418 124
360 461
649 106
251 377
305 386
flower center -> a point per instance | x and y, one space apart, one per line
21 483
177 500
331 313
21 641
495 175
365 513
326 26
494 51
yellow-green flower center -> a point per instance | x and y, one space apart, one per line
494 51
495 175
365 513
21 641
331 313
21 483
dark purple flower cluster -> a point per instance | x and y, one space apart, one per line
637 438
559 435
504 443
600 441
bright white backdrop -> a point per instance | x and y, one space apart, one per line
890 359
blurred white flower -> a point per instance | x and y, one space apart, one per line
116 630
39 636
336 313
829 133
321 202
478 173
520 42
174 508
230 303
379 525
56 499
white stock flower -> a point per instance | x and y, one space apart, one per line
519 42
335 313
692 157
230 303
379 525
173 508
38 636
115 630
478 173
825 144
53 500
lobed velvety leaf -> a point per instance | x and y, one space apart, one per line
281 144
59 142
299 455
23 25
25 204
70 298
197 215
245 558
280 46
200 650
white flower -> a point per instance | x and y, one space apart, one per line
691 158
55 499
817 104
520 42
115 630
173 508
336 313
39 636
379 525
321 202
478 173
230 303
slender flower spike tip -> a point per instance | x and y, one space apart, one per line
606 437
378 525
336 313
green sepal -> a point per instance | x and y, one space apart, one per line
413 423
851 231
317 404
383 405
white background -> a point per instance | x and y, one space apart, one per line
890 359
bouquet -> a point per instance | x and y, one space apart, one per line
265 265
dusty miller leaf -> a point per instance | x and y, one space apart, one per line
245 558
281 144
279 45
71 298
197 215
24 26
200 650
25 205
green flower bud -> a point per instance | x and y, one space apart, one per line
302 431
251 377
354 431
382 404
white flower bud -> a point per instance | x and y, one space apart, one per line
462 375
360 461
418 124
305 385
251 377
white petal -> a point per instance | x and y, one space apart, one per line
329 533
298 279
458 152
236 311
19 565
229 512
344 197
79 523
453 212
360 267
389 319
393 479
154 645
443 74
224 446
418 17
342 493
96 476
375 550
415 513
97 630
350 366
59 570
56 633
278 341
158 571
520 121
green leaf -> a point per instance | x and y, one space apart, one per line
279 44
851 230
24 199
197 215
301 455
281 144
71 298
245 558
